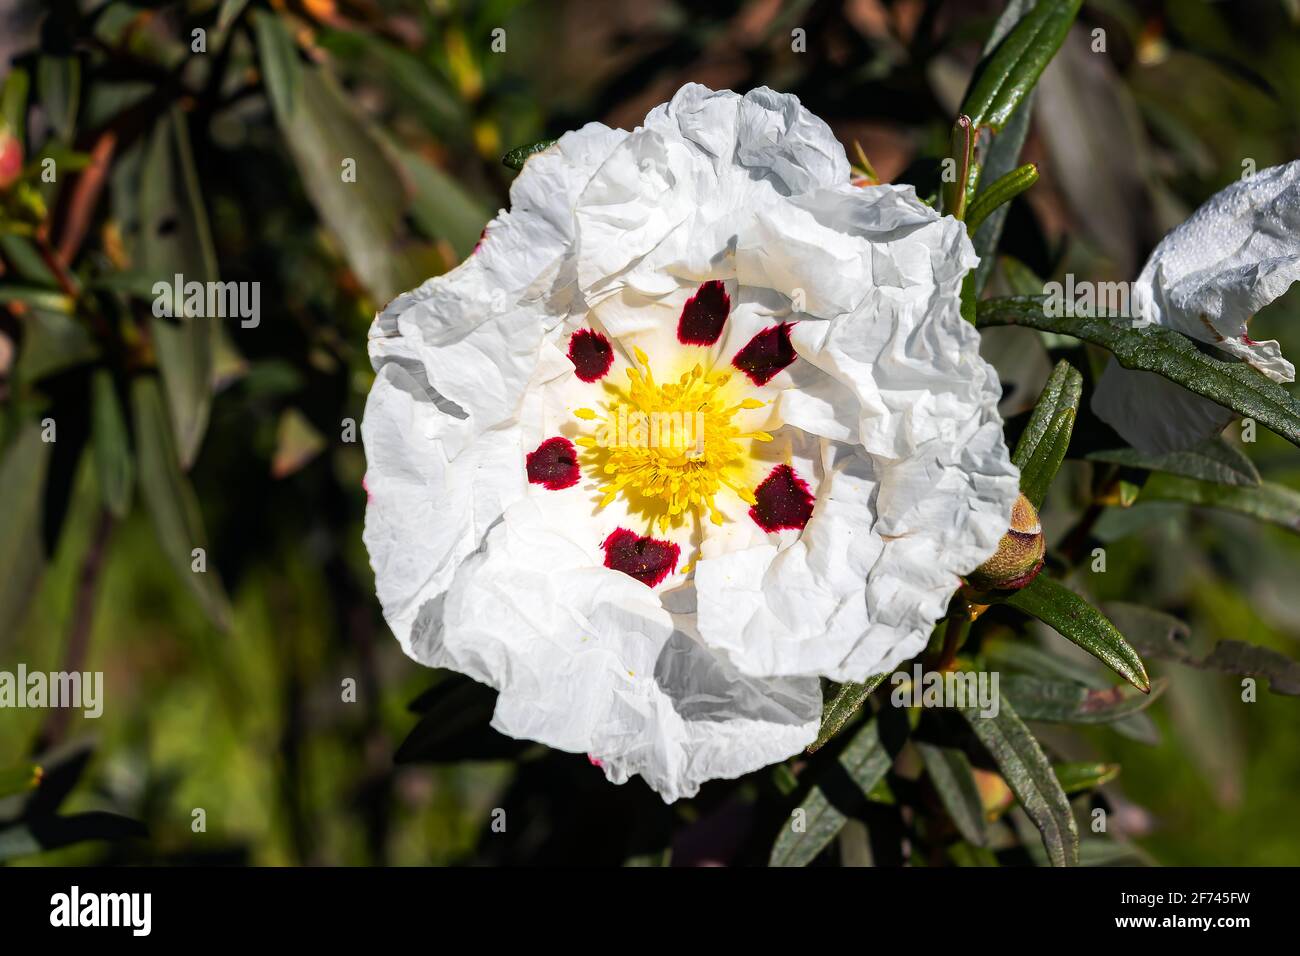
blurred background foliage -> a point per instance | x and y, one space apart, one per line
209 138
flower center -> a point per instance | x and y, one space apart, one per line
671 448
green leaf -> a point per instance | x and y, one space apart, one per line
846 702
23 471
172 505
1001 191
280 68
175 240
1021 279
58 84
1098 851
25 261
1212 460
356 187
1065 702
37 298
866 760
1074 618
114 464
1027 772
516 158
230 11
1274 503
1003 153
1046 437
950 772
1162 636
13 103
1234 385
1007 76
442 207
421 88
1016 655
1078 777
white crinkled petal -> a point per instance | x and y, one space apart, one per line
922 493
588 660
453 358
1233 256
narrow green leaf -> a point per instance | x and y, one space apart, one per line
442 207
1003 153
1001 191
25 261
1274 503
1021 279
1046 437
1006 77
817 821
1018 656
1162 636
175 240
23 471
1065 702
1078 777
516 158
1212 460
846 702
1074 618
1027 772
417 84
280 68
172 504
1098 851
58 84
356 187
37 298
230 11
950 772
1234 385
13 103
114 464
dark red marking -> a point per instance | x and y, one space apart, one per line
766 354
784 501
554 465
591 354
646 559
704 314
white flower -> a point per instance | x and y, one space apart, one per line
1236 254
698 423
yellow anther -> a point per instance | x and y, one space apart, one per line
671 449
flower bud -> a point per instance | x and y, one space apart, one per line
1020 553
11 158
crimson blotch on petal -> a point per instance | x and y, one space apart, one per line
644 558
554 464
704 315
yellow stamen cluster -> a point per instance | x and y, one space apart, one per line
670 472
